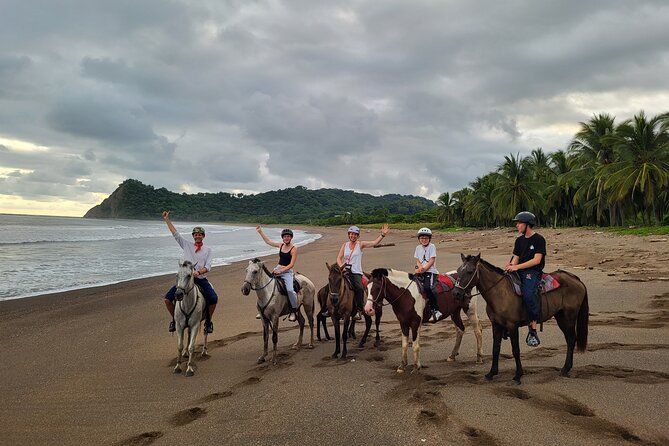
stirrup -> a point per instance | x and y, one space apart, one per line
208 327
173 327
532 339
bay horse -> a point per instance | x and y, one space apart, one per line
403 294
188 309
321 320
568 304
272 304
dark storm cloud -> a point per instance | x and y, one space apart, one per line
381 97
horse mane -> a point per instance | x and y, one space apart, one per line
264 267
378 273
570 274
489 265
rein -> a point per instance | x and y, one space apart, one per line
478 275
384 287
181 307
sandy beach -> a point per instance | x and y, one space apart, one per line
94 366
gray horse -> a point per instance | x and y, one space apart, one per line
188 310
272 304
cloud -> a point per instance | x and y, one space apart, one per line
380 97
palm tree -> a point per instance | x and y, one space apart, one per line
642 166
515 189
444 212
594 150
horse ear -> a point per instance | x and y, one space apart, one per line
462 256
327 265
369 276
478 257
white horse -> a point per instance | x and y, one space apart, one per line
272 304
188 310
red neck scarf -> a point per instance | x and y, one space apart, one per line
199 246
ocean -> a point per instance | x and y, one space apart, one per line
41 255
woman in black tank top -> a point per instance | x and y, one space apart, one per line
287 258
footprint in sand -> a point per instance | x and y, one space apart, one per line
187 416
477 437
143 439
216 396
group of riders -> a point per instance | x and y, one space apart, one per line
528 260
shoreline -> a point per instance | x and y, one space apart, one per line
94 366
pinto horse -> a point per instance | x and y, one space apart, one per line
403 294
568 304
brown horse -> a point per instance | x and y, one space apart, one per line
568 304
321 320
402 293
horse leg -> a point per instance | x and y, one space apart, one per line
300 322
415 345
456 348
478 333
347 322
515 348
265 339
351 329
377 322
180 346
335 323
405 348
368 326
192 336
310 318
497 332
275 338
569 330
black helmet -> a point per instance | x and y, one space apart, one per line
286 232
525 217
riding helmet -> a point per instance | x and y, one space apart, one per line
286 232
526 217
198 230
354 229
425 231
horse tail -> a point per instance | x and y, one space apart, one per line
582 323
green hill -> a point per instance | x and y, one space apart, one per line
135 200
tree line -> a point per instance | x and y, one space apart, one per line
609 175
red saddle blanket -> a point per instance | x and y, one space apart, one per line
444 284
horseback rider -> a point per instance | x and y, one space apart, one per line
350 258
287 259
529 258
200 256
426 269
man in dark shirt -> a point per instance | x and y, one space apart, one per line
529 258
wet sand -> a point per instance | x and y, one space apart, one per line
94 366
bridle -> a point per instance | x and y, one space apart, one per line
384 287
272 277
478 276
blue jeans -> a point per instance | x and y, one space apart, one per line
529 280
288 280
207 290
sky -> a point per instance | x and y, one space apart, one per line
410 97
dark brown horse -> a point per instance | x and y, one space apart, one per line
568 304
340 305
402 293
321 320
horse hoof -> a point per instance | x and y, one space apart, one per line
310 346
564 373
260 360
335 355
400 370
204 355
377 344
450 359
415 370
479 360
176 371
488 377
515 382
190 373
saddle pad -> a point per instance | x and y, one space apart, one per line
546 284
444 284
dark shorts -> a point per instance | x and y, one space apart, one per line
209 294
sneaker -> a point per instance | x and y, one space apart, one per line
293 316
437 315
172 327
325 313
358 316
258 316
208 327
532 339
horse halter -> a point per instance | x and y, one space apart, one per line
272 277
469 284
384 287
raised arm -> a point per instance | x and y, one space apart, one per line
266 239
170 226
385 229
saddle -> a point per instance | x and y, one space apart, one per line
547 283
443 284
282 286
349 282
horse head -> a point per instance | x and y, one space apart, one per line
377 281
335 282
467 276
253 273
185 279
